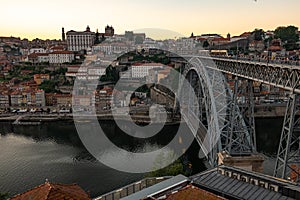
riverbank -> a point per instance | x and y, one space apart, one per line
265 111
24 118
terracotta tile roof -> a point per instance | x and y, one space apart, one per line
191 192
61 52
51 191
221 39
34 55
275 48
245 34
148 64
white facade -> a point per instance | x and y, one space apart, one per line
96 71
78 41
185 46
40 98
111 48
90 73
142 70
4 100
37 50
43 58
59 57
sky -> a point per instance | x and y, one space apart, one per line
44 19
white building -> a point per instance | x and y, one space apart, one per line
43 57
80 40
59 57
185 46
142 70
37 50
40 98
111 48
90 73
4 99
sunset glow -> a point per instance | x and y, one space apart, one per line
44 19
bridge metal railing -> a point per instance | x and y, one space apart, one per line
132 188
262 60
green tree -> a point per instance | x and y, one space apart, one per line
205 44
289 36
172 170
97 40
111 74
3 196
49 86
258 34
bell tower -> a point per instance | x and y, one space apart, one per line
63 36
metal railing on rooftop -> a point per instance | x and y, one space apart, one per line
131 188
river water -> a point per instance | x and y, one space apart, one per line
31 154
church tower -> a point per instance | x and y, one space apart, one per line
63 36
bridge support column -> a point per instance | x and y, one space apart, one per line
241 140
288 156
241 128
247 110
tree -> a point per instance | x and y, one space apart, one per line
258 34
111 74
172 170
3 196
288 35
49 86
97 41
205 44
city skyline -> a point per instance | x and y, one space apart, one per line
43 19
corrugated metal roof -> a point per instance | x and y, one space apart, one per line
235 188
155 189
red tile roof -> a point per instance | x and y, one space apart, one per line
61 52
148 64
245 34
221 39
51 191
191 192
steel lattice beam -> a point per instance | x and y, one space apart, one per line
288 156
241 128
286 77
225 124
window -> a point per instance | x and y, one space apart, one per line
244 178
261 184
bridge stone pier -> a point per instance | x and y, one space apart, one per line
253 162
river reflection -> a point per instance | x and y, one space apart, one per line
31 154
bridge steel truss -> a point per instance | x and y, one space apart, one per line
241 116
222 127
288 156
282 76
285 77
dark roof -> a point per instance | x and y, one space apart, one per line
217 183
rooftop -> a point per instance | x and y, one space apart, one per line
148 64
52 191
156 189
191 192
240 184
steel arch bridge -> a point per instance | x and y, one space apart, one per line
227 127
220 121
